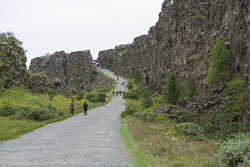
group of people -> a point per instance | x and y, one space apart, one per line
118 93
72 107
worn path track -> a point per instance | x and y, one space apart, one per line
80 141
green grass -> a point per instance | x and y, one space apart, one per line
158 145
140 159
18 96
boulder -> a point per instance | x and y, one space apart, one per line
163 109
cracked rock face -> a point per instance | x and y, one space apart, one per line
12 65
66 70
181 39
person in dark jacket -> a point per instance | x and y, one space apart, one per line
85 107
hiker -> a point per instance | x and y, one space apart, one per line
85 107
120 92
113 93
122 83
116 93
117 78
72 107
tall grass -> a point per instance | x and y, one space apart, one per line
162 146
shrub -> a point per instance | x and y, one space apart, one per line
235 150
161 118
88 88
130 85
131 94
101 97
191 129
8 110
137 75
220 66
171 89
145 115
43 113
89 96
147 102
80 95
127 112
52 93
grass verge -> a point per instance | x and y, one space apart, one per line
139 158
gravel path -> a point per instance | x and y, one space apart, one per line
80 141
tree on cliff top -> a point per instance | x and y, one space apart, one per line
10 37
219 71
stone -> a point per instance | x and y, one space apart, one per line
66 71
12 65
163 109
180 41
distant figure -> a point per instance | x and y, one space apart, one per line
72 107
85 107
122 83
117 78
113 93
116 93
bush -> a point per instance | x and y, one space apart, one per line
235 150
52 93
192 130
220 66
147 102
8 110
132 94
88 88
145 115
161 118
101 97
127 112
80 96
171 89
43 113
89 96
130 85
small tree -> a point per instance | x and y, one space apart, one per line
171 89
220 68
137 75
51 94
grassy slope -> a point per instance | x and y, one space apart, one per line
159 144
18 96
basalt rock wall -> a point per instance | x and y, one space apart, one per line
12 65
63 71
181 39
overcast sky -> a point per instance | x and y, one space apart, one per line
47 26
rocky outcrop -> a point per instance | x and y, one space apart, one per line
102 81
181 39
64 71
12 65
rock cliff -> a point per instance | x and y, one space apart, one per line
12 65
66 71
181 39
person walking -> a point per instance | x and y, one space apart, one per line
85 107
113 93
117 78
72 107
116 93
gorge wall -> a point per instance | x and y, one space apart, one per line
12 65
64 71
181 39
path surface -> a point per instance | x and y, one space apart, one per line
80 141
